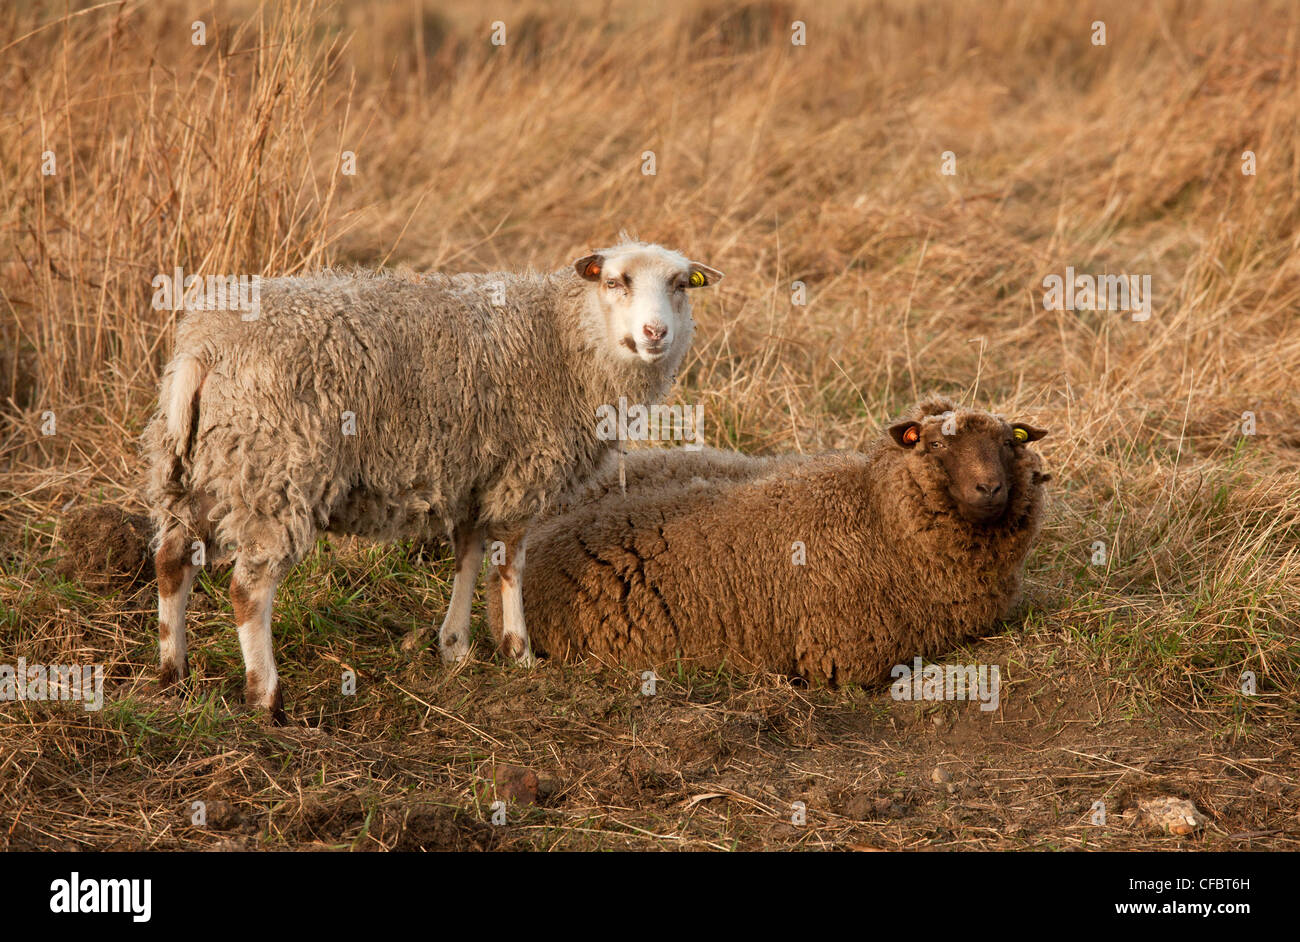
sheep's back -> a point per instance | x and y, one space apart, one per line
711 572
435 380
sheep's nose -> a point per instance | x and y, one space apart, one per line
655 332
991 489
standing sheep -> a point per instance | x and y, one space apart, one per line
833 568
385 407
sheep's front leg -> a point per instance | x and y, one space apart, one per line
252 594
514 633
453 639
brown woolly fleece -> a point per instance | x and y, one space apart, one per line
699 560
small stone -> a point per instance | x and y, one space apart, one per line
547 785
222 815
1171 815
940 775
509 782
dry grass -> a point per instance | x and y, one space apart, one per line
775 163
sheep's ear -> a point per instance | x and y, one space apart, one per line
907 434
589 267
701 275
1025 432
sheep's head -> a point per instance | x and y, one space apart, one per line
979 461
640 292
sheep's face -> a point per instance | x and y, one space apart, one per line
640 294
974 456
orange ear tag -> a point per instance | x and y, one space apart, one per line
912 435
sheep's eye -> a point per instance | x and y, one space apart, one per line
1010 443
936 444
611 282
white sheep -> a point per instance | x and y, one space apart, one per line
385 407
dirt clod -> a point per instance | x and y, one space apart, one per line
862 807
106 546
433 828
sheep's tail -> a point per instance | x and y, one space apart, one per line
168 444
179 402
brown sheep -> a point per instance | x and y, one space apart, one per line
906 550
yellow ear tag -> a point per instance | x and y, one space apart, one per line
697 279
1022 435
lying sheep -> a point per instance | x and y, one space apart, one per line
833 568
389 407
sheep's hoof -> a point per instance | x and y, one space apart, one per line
169 676
454 650
518 650
272 704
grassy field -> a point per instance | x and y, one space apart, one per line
820 163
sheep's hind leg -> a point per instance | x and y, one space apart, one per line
175 578
453 638
514 633
252 592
